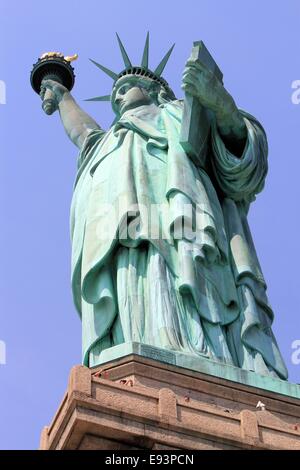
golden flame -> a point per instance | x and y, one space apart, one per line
59 54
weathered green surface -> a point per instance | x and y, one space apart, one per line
136 276
201 364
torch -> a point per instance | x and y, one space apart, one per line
52 66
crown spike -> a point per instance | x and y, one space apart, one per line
160 68
100 98
145 58
126 59
108 72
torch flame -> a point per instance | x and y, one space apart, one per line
59 54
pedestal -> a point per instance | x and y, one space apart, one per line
135 402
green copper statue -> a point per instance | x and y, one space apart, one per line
161 249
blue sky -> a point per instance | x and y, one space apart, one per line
256 45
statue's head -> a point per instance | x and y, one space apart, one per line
135 86
131 91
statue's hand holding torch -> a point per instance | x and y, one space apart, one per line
51 93
51 77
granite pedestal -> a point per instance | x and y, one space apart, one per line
142 397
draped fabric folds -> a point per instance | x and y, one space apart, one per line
160 258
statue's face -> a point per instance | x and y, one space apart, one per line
131 96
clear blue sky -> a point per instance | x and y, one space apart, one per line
255 43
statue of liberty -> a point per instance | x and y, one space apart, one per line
161 249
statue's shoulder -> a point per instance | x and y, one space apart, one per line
91 140
173 108
173 104
92 137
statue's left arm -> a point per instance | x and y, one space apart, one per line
238 140
200 82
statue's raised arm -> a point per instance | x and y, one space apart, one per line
77 123
52 77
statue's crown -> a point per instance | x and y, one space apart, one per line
141 70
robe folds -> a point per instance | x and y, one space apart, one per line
162 253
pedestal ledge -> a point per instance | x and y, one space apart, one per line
140 403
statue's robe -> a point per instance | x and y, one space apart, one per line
203 295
